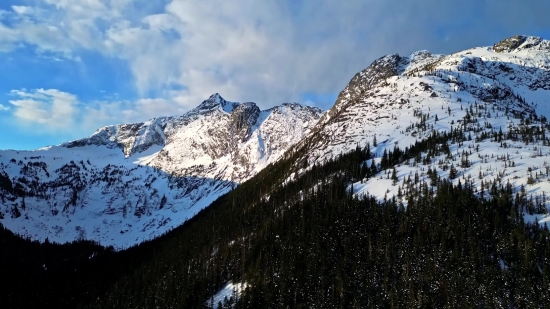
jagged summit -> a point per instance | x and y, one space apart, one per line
521 42
515 63
134 138
381 69
216 100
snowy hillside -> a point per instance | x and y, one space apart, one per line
132 182
492 101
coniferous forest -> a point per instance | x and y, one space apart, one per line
307 242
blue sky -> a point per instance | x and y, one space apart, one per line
72 66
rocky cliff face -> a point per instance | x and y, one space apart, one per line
131 182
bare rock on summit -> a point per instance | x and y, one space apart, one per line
509 44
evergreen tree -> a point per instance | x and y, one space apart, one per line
453 172
394 176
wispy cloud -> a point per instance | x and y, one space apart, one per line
52 108
55 110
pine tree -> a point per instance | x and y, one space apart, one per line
394 176
453 172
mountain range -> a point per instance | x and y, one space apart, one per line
132 182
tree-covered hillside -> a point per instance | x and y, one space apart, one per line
306 241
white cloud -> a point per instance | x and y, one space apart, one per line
265 51
98 113
51 108
59 26
22 10
8 39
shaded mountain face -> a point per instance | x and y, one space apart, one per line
132 182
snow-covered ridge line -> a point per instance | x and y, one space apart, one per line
481 73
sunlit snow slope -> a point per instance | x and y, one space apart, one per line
132 182
489 95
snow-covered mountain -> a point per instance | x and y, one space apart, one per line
131 182
495 98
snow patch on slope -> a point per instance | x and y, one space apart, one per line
230 292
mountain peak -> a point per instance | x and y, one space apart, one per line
520 42
216 97
216 100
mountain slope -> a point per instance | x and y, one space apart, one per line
132 182
490 94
